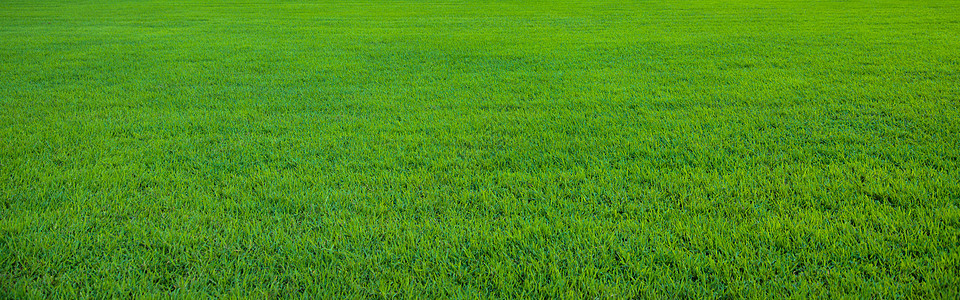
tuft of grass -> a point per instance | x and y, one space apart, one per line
480 149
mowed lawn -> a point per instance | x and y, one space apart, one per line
480 149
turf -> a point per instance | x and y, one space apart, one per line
480 149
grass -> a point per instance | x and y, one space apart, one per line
480 149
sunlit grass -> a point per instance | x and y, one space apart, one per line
480 149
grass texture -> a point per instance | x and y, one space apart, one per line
480 149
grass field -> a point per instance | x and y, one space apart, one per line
480 149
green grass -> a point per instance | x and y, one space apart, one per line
504 149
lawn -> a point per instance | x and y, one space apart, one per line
480 149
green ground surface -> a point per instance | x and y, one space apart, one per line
507 149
